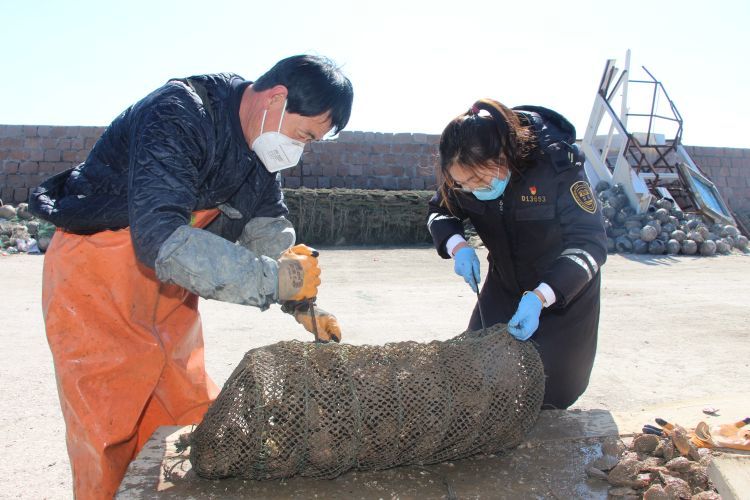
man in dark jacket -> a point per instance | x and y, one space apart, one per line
148 223
517 176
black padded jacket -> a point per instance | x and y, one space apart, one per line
547 226
179 149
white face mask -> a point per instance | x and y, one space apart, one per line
276 150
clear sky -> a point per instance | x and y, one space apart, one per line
414 64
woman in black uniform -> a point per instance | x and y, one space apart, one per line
517 175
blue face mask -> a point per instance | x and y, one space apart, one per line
494 191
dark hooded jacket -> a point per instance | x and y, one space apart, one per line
178 150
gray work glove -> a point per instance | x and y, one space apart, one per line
269 236
215 268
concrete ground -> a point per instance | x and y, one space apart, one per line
673 332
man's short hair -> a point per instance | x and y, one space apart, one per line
316 86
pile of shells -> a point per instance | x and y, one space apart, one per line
655 468
20 232
662 229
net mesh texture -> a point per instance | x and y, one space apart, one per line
319 410
359 216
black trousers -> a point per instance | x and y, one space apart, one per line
566 338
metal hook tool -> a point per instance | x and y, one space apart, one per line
479 302
311 302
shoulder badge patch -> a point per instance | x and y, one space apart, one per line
583 196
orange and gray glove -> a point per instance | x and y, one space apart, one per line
299 274
733 435
326 325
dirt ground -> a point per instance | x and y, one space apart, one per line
673 329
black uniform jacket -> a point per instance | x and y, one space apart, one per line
178 150
546 227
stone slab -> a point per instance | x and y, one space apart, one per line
550 463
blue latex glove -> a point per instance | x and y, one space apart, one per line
466 264
524 323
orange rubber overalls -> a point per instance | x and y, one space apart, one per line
127 349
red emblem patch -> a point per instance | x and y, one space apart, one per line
532 190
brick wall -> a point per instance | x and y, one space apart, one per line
30 153
729 169
367 160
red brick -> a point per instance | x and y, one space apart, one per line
20 195
291 182
711 161
76 143
58 132
36 179
72 156
21 153
89 132
16 180
49 143
44 131
10 167
52 155
89 143
11 130
30 130
35 155
73 131
32 143
292 172
402 138
7 192
11 142
63 144
733 152
28 167
47 167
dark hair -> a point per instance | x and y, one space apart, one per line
473 140
315 86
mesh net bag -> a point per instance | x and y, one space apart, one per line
318 410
